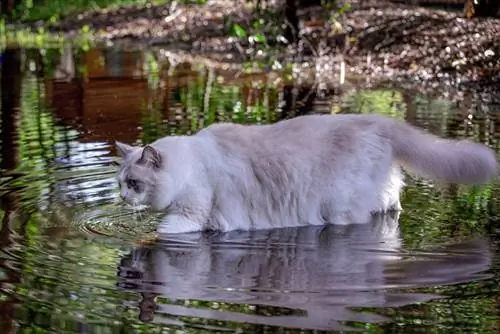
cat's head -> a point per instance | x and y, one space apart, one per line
137 175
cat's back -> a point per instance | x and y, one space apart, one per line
293 133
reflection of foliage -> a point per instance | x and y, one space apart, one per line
69 284
152 126
433 215
203 101
38 137
384 102
472 306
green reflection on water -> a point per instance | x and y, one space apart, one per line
57 277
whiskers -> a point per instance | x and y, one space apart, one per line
130 212
137 210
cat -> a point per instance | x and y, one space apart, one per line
308 170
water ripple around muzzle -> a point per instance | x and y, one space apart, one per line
120 221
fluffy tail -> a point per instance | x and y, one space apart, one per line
441 159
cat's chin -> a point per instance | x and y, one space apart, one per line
137 207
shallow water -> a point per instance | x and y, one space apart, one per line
69 261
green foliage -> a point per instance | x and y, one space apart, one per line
28 38
205 99
384 102
3 29
237 30
333 13
42 39
52 11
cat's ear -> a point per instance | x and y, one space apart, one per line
151 156
123 149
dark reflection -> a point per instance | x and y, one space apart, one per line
302 277
9 201
298 100
11 104
9 206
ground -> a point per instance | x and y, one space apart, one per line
373 37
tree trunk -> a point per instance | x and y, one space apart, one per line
291 21
8 7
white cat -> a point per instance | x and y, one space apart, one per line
308 170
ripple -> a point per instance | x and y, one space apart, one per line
99 280
119 221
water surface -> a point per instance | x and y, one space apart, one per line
69 260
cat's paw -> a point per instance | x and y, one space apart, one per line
174 224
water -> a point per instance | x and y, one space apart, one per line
70 261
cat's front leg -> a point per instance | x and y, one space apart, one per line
175 223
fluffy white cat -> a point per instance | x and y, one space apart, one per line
309 170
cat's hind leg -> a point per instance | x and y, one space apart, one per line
389 196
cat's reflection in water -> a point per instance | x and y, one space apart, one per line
308 277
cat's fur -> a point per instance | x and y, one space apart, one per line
309 170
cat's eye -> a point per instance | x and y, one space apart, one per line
131 183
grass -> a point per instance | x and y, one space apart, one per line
53 10
39 38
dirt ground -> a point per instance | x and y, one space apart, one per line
375 38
